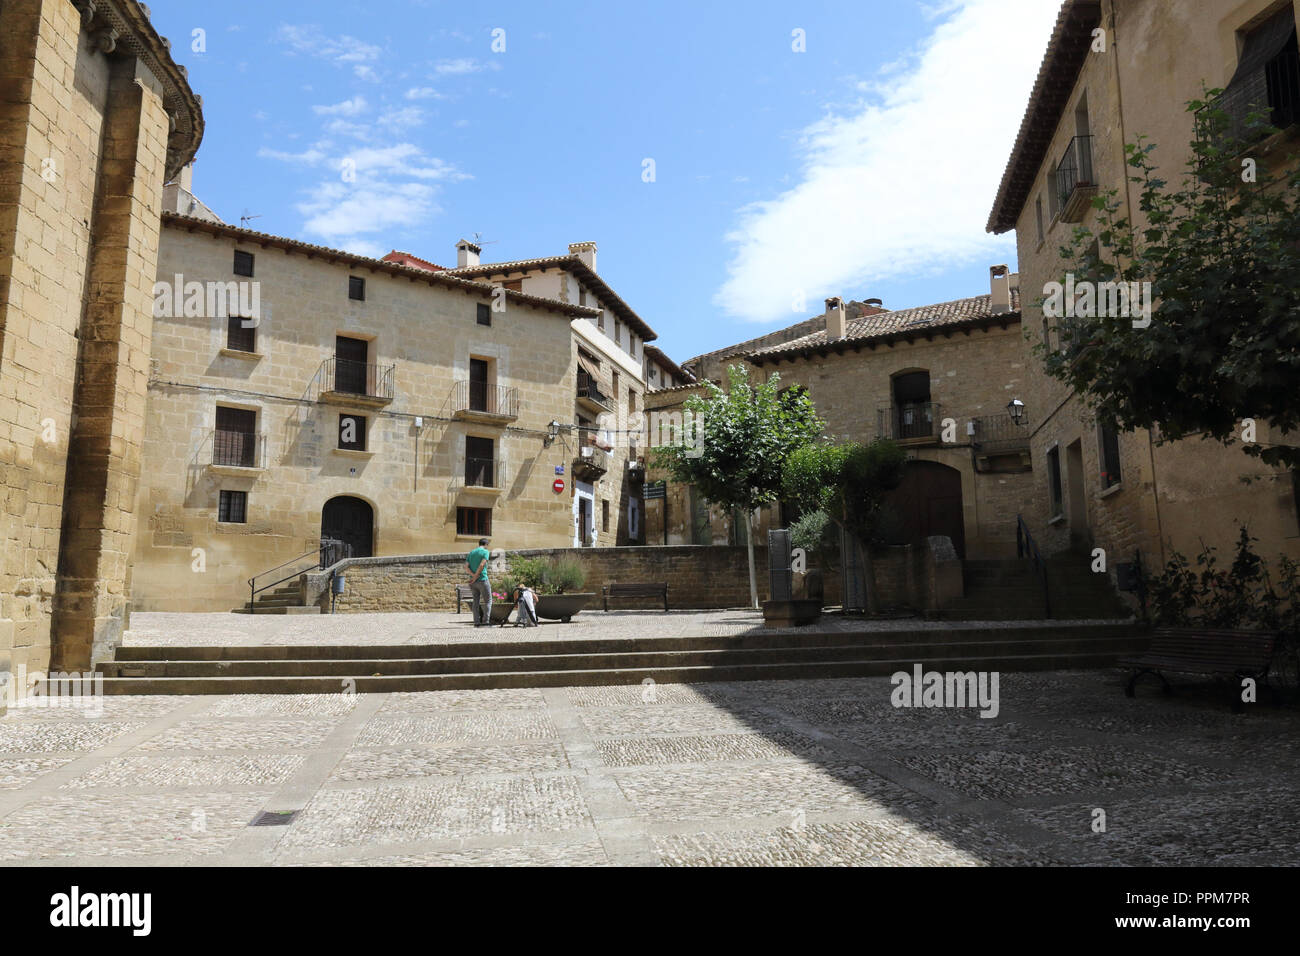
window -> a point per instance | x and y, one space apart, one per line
604 516
582 296
474 521
484 314
233 507
618 333
613 391
1108 440
480 466
240 338
357 288
1038 215
1054 481
352 432
1267 75
243 263
514 285
234 441
351 367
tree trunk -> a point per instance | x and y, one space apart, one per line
869 579
749 542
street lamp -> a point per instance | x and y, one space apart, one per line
1016 409
552 432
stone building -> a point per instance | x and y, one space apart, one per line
396 408
1114 70
937 379
95 116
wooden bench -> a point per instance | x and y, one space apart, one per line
637 590
1226 655
464 593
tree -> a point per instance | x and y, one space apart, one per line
1221 255
743 437
846 483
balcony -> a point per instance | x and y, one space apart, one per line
483 474
915 423
1075 185
594 456
1273 92
480 402
348 382
237 452
590 396
1001 437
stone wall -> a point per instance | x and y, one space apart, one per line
697 577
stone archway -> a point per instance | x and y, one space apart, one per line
350 520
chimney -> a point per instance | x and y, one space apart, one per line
1000 285
466 254
836 324
586 251
186 180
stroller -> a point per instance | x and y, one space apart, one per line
525 608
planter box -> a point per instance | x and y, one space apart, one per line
561 607
794 613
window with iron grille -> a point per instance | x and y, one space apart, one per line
240 337
484 314
604 516
474 521
235 439
1108 439
352 432
233 507
357 288
480 466
243 263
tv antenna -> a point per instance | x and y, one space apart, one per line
245 219
480 241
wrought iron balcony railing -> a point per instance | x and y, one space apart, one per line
995 433
482 473
912 420
1273 92
236 449
1074 176
361 379
480 398
588 391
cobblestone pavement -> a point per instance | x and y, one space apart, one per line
807 772
167 629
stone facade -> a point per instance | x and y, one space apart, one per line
1174 495
421 330
94 117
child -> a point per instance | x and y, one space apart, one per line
525 600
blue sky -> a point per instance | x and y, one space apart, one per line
863 166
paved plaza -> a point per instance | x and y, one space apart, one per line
823 772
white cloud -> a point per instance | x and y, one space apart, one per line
424 93
902 183
352 107
463 64
311 41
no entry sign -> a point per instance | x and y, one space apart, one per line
558 485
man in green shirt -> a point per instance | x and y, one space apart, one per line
477 561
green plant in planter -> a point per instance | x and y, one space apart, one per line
529 572
563 576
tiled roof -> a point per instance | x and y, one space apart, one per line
1066 51
899 324
444 277
573 264
406 259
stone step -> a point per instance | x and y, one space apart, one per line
921 633
521 662
278 609
626 676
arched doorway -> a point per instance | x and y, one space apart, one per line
928 502
350 520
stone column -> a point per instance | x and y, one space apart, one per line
112 371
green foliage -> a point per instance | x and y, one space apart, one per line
748 432
1220 251
812 531
557 575
563 575
847 482
1243 595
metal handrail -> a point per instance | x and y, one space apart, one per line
350 377
318 553
1075 169
476 396
1025 543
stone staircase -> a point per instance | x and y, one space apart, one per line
1011 590
283 600
332 669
